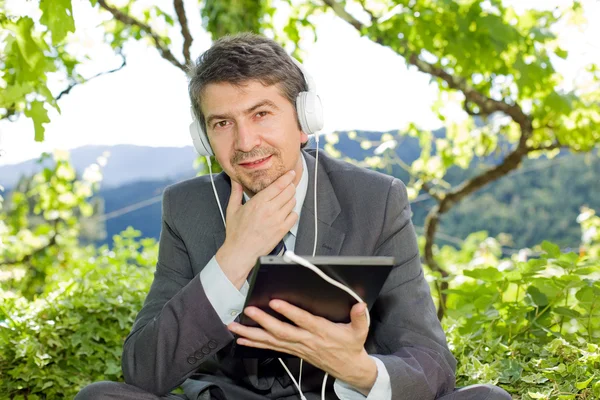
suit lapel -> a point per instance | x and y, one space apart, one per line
329 241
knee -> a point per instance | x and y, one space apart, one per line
98 391
478 392
497 393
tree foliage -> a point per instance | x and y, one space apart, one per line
495 64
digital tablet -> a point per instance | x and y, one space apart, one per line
275 278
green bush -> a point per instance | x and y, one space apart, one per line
73 335
532 327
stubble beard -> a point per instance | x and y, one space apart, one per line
255 181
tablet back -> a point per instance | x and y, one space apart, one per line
275 278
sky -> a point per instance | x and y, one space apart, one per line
362 86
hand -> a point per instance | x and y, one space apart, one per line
335 348
255 228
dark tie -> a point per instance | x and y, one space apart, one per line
279 249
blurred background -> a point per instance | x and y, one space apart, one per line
487 110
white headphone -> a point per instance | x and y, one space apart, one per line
308 107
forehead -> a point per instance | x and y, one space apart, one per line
225 97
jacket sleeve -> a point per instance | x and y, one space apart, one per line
405 323
177 327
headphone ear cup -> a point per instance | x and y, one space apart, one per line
310 112
200 140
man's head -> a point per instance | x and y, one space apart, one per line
243 92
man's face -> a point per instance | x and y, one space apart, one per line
253 132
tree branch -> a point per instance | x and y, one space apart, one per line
372 16
548 147
431 191
342 13
486 104
73 84
129 20
185 31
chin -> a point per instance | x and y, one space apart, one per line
259 180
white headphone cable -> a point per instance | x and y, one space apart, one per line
291 256
209 163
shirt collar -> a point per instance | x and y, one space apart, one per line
301 190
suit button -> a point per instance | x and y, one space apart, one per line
206 350
191 360
199 355
212 344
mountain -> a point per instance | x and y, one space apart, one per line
126 164
540 201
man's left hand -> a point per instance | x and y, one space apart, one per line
332 347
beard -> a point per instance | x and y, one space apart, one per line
255 181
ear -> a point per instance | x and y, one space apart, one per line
303 137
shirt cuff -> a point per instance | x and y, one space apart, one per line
225 298
381 390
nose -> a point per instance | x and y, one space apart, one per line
246 137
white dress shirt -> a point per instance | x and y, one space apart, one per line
228 302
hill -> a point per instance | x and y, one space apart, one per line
126 163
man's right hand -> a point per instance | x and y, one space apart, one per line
255 228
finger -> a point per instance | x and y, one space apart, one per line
300 317
261 345
358 318
277 186
283 212
290 220
251 333
280 330
281 199
235 198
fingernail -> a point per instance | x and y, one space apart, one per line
293 172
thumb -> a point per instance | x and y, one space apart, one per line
235 198
358 317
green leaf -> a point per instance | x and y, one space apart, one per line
570 257
538 297
57 15
28 48
561 53
489 274
552 249
567 312
584 384
537 395
586 270
38 113
534 265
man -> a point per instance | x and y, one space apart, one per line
243 90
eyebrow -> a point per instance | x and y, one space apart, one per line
250 110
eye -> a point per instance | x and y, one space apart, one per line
261 114
220 124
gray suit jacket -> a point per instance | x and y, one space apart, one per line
178 335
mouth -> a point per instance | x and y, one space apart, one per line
256 163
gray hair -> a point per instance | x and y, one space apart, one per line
240 58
